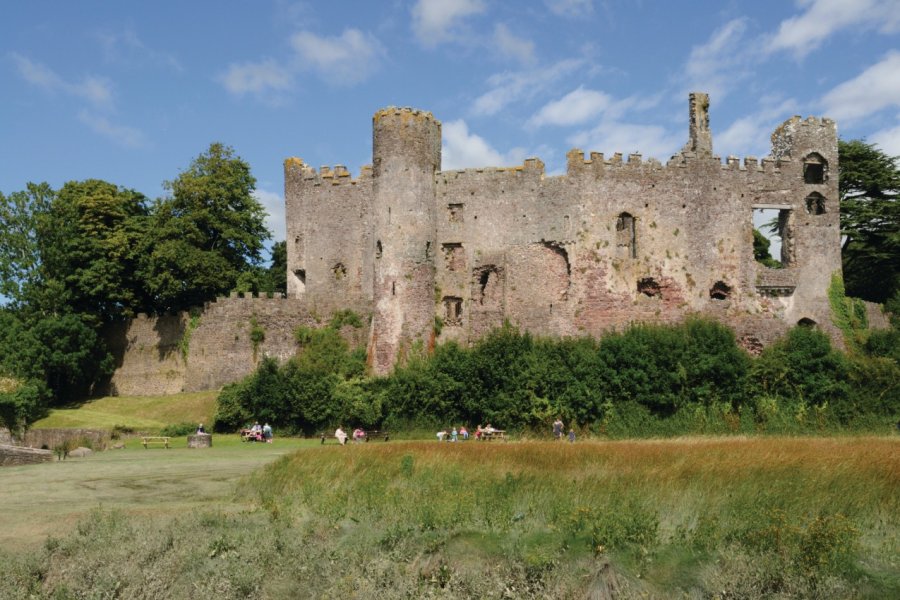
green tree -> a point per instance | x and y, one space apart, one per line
206 233
21 403
20 257
761 250
62 351
869 187
89 244
277 273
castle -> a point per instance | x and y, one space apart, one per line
438 255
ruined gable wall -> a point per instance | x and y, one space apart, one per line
329 237
550 253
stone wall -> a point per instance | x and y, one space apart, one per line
612 241
98 439
175 353
16 455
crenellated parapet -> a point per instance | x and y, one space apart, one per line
326 175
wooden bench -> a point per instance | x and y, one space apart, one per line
497 434
147 440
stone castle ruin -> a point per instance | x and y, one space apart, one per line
438 255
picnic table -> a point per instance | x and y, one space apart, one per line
248 435
148 440
496 434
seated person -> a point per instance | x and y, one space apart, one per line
340 435
463 432
358 434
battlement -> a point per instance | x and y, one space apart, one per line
337 175
405 113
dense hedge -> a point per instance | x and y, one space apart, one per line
647 380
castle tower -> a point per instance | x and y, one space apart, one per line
700 141
406 154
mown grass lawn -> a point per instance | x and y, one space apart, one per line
138 412
50 498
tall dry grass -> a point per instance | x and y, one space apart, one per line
684 518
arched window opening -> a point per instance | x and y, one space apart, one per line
815 204
815 168
625 235
378 249
720 291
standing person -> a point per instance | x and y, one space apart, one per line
267 433
557 429
201 429
454 434
571 436
478 433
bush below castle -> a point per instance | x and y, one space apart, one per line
650 380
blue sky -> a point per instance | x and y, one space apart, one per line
131 92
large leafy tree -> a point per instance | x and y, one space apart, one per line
869 187
20 257
89 245
206 233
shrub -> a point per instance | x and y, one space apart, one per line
178 429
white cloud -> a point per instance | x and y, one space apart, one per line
570 8
507 88
888 140
806 32
513 46
576 107
462 149
438 21
717 66
609 137
126 47
874 89
256 78
274 205
96 90
122 135
347 59
750 135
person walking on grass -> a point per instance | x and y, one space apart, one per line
557 429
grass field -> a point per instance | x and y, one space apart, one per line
143 413
50 498
683 518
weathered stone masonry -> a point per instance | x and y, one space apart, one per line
611 242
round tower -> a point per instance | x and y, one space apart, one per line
406 154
